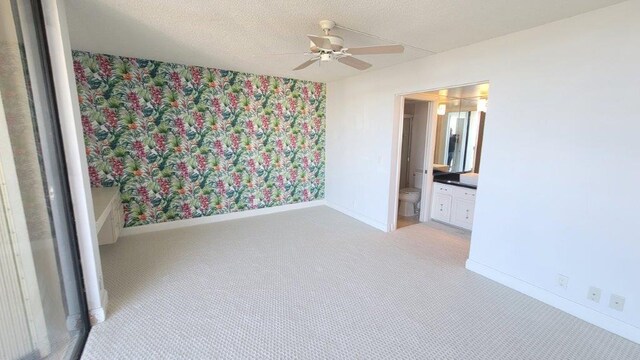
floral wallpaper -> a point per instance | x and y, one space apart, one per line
187 141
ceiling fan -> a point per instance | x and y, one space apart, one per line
330 47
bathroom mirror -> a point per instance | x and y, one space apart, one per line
459 134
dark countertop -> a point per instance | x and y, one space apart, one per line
454 183
451 179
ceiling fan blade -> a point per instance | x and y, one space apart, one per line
354 63
375 50
320 42
306 63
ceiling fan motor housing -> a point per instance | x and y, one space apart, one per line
327 25
336 44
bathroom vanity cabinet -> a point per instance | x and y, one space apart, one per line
453 205
109 214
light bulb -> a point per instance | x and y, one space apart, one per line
442 109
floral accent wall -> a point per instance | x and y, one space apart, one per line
187 141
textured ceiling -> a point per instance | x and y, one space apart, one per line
238 34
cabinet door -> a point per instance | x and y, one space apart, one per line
463 213
441 207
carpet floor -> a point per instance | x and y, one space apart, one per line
316 284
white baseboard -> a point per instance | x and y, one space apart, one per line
143 229
365 219
580 311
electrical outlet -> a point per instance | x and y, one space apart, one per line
594 294
563 281
616 302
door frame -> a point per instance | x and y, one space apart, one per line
396 161
396 151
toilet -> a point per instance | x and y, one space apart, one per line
410 197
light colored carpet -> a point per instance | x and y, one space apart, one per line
314 283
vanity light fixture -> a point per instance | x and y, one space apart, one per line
482 105
442 109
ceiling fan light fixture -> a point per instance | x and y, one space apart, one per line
325 57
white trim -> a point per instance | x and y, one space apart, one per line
396 165
177 224
580 311
429 151
73 140
365 219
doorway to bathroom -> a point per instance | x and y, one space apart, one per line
412 158
439 144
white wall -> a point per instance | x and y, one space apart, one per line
559 185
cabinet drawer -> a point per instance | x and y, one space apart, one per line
464 193
441 207
439 188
